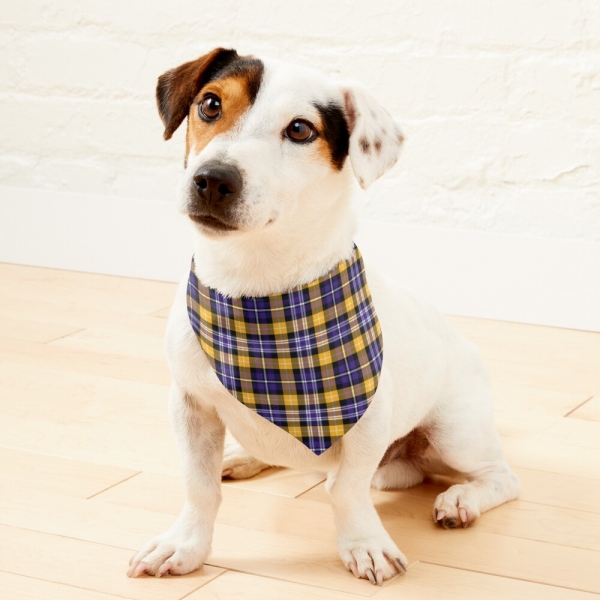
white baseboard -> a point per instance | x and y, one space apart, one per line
530 280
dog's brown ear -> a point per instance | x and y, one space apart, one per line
375 138
177 88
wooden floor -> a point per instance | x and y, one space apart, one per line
89 470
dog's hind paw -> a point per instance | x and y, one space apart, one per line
456 507
238 464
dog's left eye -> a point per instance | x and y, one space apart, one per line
300 130
210 108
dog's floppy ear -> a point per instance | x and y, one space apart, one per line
177 88
375 138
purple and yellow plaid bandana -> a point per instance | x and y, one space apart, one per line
307 360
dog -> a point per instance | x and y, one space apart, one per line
271 150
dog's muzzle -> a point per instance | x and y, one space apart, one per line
216 187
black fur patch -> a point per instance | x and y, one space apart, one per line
251 69
335 132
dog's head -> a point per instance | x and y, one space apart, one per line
266 137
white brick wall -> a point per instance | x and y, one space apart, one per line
500 99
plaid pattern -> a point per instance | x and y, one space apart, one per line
307 360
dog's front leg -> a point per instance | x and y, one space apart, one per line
184 547
364 545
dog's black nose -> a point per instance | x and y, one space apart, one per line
216 181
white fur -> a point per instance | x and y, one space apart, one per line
295 224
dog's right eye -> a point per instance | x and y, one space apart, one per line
210 108
300 131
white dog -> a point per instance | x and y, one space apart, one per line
266 187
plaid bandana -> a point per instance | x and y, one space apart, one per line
307 360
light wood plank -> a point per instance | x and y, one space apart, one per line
250 587
555 489
573 432
90 566
121 444
121 341
590 411
78 316
33 331
551 456
72 288
79 361
524 411
426 581
18 587
556 359
49 473
95 418
564 526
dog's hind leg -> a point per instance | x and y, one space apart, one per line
470 444
238 464
399 468
398 474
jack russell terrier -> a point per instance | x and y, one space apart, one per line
278 334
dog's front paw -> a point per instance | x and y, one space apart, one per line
238 464
172 553
372 559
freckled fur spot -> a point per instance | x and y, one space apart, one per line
377 145
365 146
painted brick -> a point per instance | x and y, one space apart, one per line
498 99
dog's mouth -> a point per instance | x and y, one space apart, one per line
211 222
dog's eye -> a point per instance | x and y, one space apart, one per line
299 130
210 108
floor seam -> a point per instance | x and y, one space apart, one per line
113 485
578 406
62 337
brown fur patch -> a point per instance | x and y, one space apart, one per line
177 88
236 98
411 447
365 145
377 145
